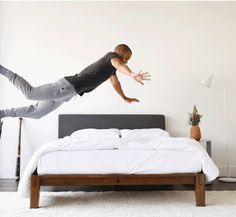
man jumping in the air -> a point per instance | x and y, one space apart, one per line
51 96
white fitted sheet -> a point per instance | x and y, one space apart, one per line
118 162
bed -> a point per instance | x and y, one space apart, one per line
68 123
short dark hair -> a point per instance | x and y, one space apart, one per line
120 48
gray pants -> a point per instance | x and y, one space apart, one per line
50 96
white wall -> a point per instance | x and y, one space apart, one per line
177 42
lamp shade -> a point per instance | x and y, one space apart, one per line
206 82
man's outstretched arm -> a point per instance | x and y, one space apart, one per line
139 77
116 84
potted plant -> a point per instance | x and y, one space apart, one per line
194 120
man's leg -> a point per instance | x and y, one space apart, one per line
53 91
35 111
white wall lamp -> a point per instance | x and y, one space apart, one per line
207 82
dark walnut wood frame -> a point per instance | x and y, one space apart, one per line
197 179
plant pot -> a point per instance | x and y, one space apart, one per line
195 132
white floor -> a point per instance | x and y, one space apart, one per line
107 204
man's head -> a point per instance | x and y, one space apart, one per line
124 52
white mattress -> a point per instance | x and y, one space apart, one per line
118 162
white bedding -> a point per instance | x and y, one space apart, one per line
83 144
118 161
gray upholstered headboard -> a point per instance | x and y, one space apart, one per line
68 123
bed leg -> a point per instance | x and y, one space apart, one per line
34 191
200 189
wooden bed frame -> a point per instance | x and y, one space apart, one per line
70 123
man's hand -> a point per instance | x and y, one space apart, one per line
141 76
130 100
